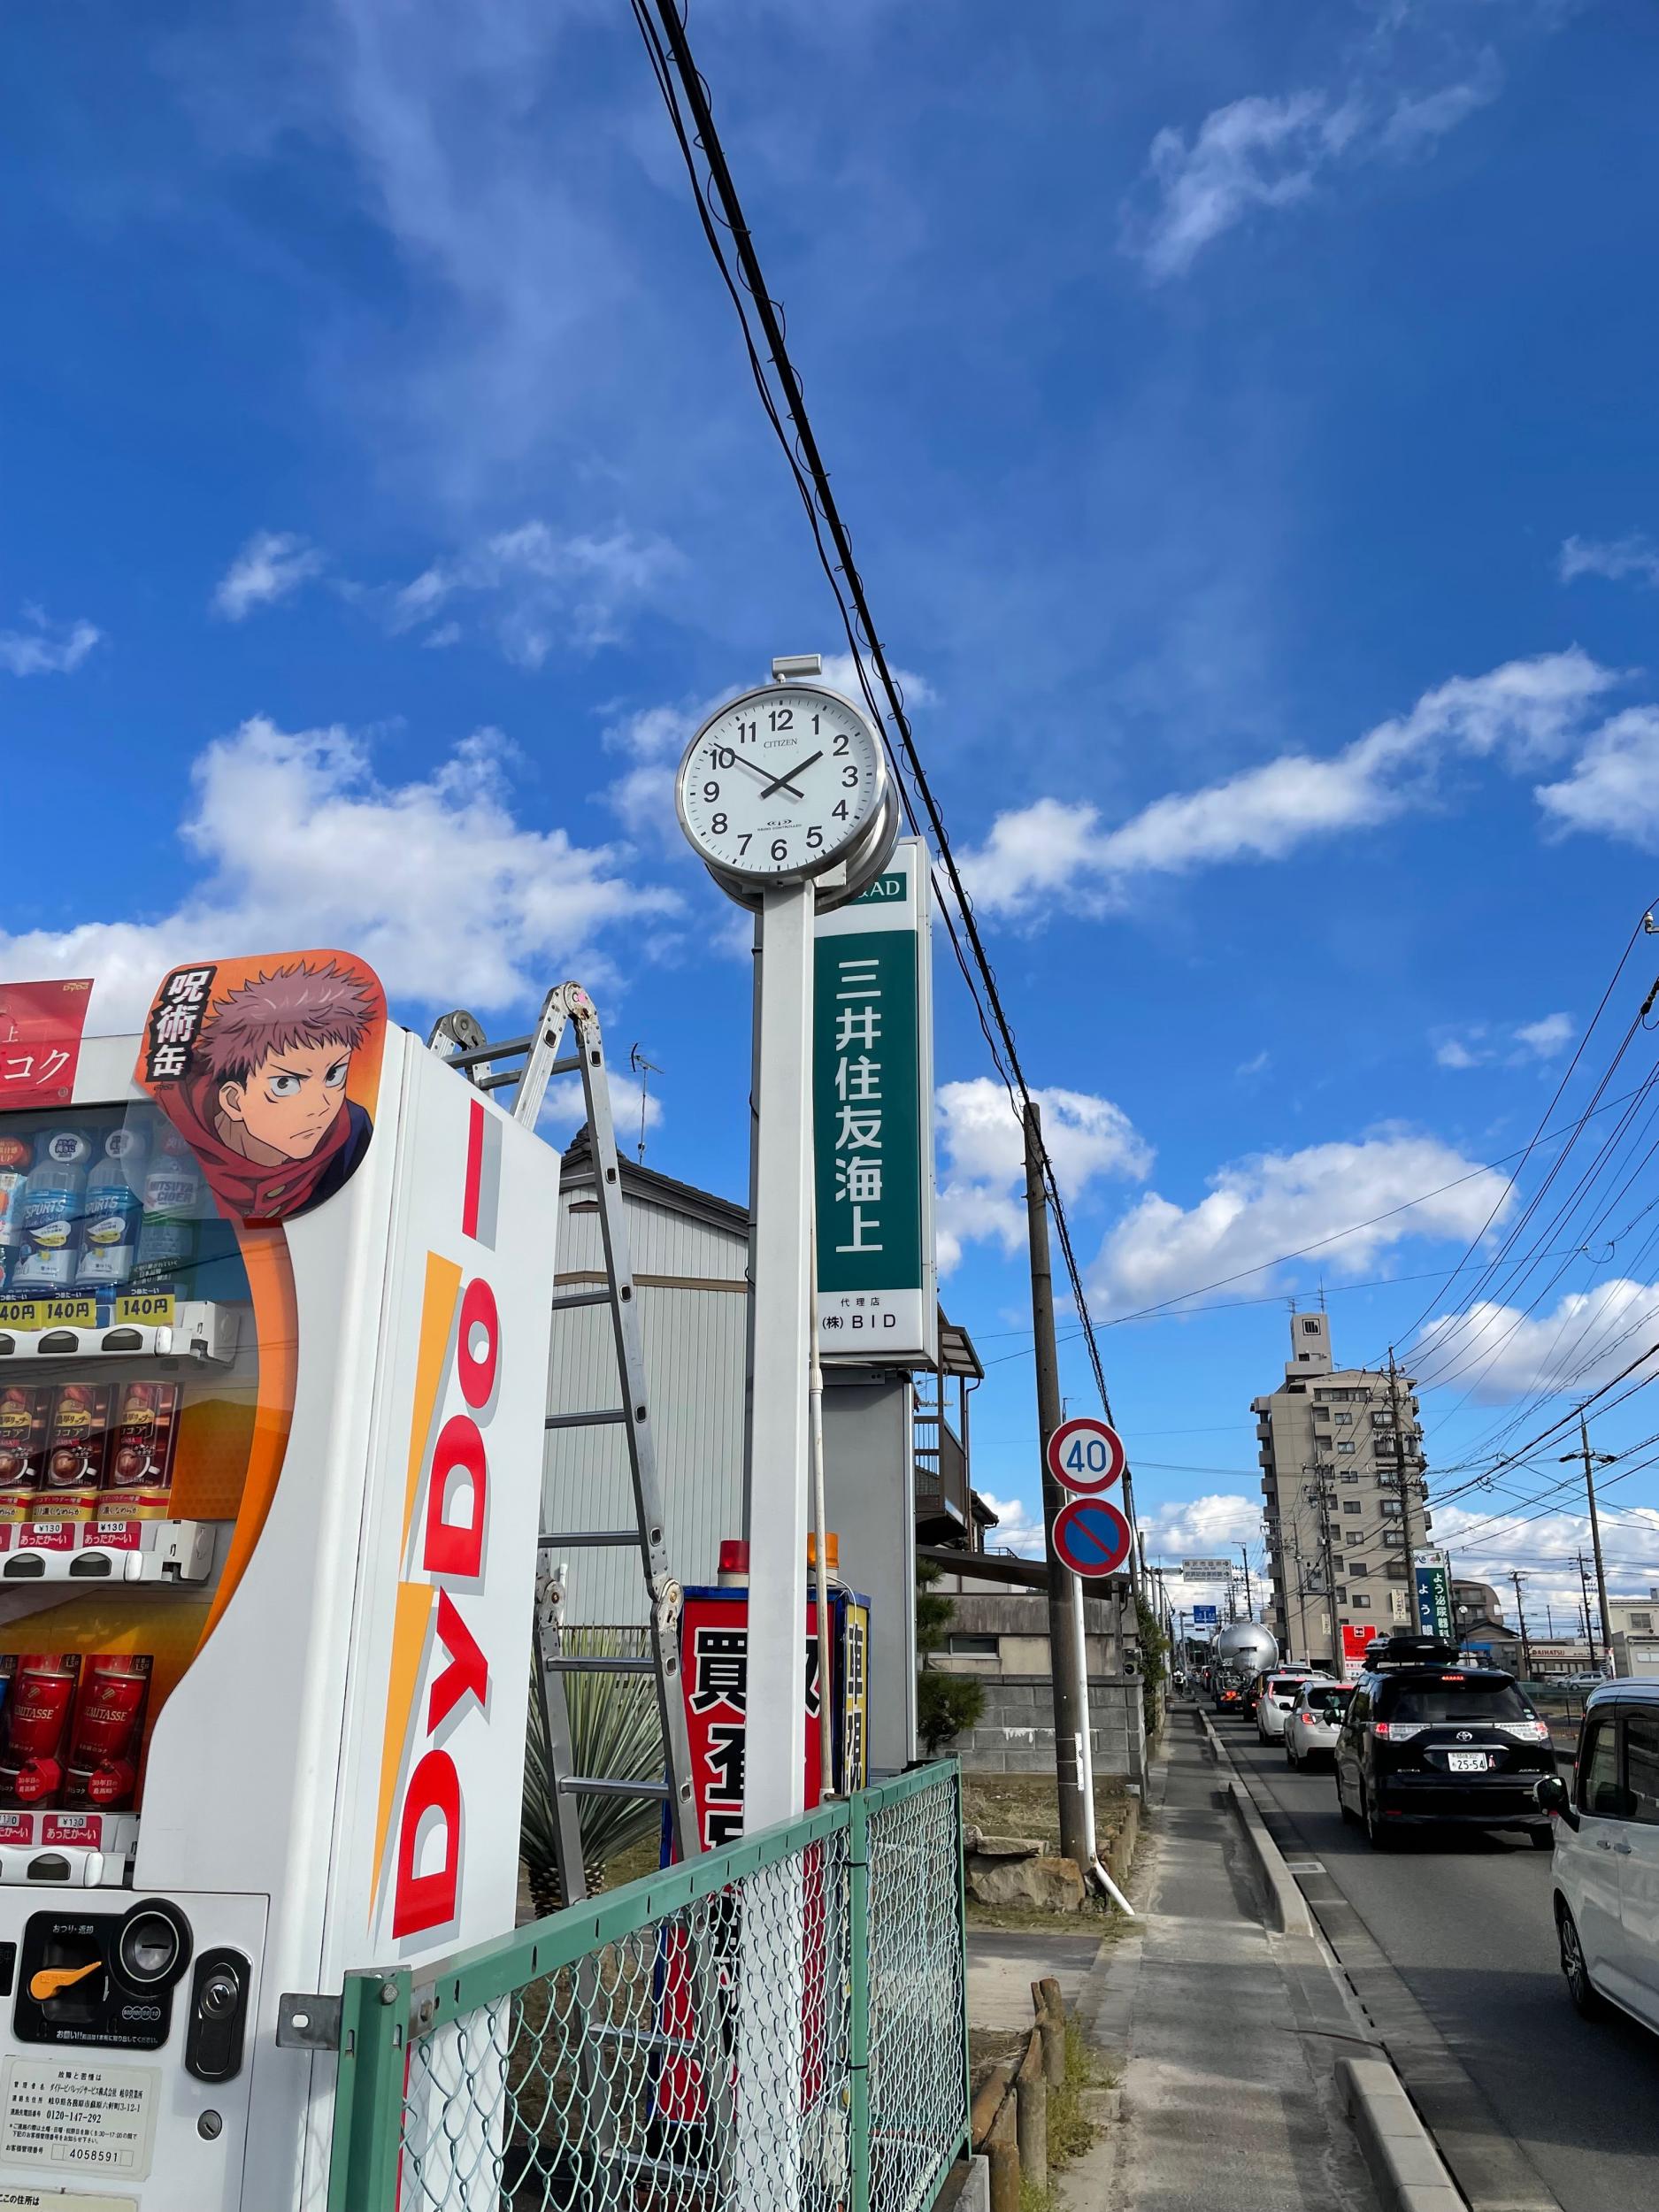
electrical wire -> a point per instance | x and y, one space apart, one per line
719 208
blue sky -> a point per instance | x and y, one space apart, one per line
1244 415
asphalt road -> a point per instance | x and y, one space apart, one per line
1465 1923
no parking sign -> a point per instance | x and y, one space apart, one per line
1091 1537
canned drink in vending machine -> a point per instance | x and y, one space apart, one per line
25 1421
42 1699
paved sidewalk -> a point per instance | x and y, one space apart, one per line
1223 2036
1002 1963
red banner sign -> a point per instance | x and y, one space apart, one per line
40 1041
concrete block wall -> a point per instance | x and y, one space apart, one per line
1015 1732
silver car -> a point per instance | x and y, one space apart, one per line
1312 1723
1277 1694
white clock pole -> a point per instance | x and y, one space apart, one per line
775 1751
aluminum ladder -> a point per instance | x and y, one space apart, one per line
530 1062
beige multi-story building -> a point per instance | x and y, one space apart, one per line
1342 1464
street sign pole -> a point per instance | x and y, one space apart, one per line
775 1753
1066 1651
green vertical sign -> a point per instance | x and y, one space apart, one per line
873 1121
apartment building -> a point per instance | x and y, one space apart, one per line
1337 1443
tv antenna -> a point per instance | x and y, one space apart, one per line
644 1069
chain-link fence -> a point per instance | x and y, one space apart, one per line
778 2025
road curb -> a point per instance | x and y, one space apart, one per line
1288 1907
1409 2171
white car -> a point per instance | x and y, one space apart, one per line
1279 1687
1313 1723
1607 1855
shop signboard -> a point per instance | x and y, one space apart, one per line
1434 1600
40 1041
872 1098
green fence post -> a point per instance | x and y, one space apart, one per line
961 1964
368 2138
858 2026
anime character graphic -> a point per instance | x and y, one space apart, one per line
255 1077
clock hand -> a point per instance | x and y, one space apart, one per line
800 768
783 782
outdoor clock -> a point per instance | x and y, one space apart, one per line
784 784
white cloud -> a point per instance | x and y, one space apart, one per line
1614 785
1276 1203
1615 557
1478 1044
1257 1064
1487 1540
1501 1352
45 648
1211 1527
1270 152
540 589
1052 851
1547 1038
1458 1052
1254 153
270 565
565 1109
1019 1527
983 1172
433 880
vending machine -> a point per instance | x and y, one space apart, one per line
275 1319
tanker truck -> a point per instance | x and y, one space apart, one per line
1242 1652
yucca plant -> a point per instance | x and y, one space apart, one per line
615 1731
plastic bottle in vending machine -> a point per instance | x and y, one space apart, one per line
15 1156
54 1198
172 1199
115 1207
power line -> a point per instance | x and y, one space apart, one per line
1560 1090
722 205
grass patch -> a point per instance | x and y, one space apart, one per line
1070 2131
1026 1805
1096 1919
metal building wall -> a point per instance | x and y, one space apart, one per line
693 1358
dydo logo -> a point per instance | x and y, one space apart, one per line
446 1527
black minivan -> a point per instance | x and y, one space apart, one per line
1428 1740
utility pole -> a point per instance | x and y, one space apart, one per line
1065 1637
1322 1503
1520 1615
1592 1461
1406 1496
1249 1600
1584 1591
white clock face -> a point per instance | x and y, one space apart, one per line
779 783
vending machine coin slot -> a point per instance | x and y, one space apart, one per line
103 1978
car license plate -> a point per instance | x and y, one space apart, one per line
1466 1762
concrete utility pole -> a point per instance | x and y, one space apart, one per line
1324 1501
1249 1600
1584 1591
1592 1461
1407 1495
1520 1615
1065 1639
1302 1594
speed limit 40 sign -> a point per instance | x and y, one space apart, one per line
1085 1457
